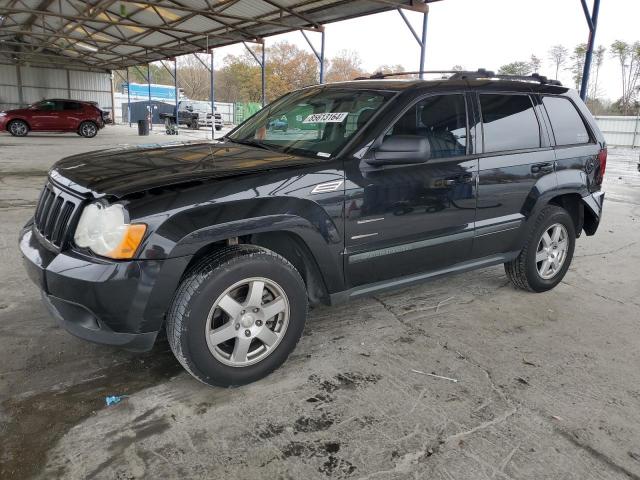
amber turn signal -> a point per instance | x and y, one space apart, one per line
130 241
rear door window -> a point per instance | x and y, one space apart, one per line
567 124
72 106
509 122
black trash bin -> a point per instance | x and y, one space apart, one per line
143 127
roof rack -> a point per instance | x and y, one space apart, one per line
469 75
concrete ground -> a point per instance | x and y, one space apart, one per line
548 385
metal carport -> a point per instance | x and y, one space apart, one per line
106 35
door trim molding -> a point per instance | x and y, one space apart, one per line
406 247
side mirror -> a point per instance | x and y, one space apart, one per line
401 149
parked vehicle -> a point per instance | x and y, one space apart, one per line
196 114
84 118
281 124
386 184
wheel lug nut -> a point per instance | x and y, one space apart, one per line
259 323
237 326
247 333
255 310
242 312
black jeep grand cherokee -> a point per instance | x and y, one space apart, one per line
375 184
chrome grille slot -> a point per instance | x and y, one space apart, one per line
54 215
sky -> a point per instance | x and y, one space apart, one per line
479 33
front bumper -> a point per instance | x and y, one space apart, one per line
120 303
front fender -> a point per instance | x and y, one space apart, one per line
187 231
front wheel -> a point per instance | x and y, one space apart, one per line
18 128
545 259
237 315
88 129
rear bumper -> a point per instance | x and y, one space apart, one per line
120 303
593 204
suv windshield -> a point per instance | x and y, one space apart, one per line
314 122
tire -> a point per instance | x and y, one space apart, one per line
88 129
18 128
228 277
527 271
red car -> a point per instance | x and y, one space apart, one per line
84 118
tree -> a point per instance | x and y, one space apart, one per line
194 78
577 63
289 67
598 60
344 66
629 57
515 68
535 64
558 55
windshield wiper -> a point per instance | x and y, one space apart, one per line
251 143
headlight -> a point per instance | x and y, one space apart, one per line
103 230
3 114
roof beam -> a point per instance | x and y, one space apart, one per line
178 6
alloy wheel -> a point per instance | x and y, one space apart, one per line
552 251
87 129
247 322
19 129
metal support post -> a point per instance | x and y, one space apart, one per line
262 63
213 106
592 23
422 39
264 78
128 98
319 55
150 106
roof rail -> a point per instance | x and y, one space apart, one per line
380 75
469 75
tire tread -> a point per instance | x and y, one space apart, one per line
193 279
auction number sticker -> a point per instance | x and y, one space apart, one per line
331 117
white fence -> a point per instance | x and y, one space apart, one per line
620 131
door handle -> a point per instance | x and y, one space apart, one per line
542 167
466 178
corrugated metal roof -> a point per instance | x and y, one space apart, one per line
112 34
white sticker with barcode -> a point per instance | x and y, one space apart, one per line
331 117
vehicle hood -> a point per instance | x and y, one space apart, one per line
122 171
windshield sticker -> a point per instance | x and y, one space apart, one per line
331 117
324 154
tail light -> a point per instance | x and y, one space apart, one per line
602 159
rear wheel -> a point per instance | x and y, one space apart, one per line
546 257
237 315
88 129
18 128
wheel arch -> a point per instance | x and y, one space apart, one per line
20 119
289 245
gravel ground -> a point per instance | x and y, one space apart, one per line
548 385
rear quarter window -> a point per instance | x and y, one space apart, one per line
509 122
567 124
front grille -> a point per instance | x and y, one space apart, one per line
54 214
